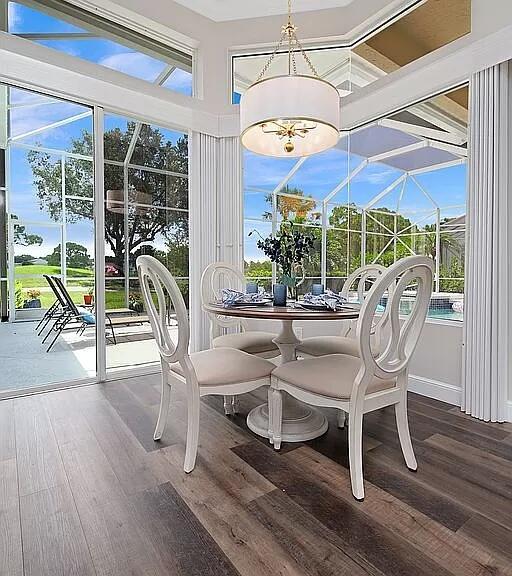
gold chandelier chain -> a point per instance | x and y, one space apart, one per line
289 33
306 57
271 58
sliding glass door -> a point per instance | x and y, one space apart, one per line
65 226
47 218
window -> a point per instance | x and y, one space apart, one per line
391 189
146 212
349 68
68 29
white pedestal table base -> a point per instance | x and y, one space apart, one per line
301 422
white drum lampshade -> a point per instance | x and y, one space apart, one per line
290 116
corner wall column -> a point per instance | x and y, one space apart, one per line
215 218
487 366
230 202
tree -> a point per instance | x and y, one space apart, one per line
76 256
23 259
145 224
257 269
294 206
22 238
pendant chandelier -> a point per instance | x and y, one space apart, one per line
291 115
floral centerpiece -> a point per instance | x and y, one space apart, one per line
288 249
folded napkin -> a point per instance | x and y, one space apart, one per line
231 297
329 299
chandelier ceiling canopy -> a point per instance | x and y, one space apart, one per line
292 115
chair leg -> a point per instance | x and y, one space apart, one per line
342 416
193 408
277 417
228 405
355 452
270 402
165 399
402 425
44 325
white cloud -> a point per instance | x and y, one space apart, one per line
134 64
28 118
179 81
377 175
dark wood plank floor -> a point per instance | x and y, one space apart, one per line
84 490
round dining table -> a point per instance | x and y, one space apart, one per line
301 422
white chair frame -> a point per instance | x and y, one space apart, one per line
151 271
216 276
358 277
392 363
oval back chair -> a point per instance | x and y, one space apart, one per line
345 342
223 371
215 277
229 332
371 381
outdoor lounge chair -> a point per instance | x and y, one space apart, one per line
54 311
71 313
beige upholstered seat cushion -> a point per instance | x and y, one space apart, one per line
226 366
323 345
331 375
252 341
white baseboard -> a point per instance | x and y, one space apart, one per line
444 392
435 389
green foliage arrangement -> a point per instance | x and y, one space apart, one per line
289 249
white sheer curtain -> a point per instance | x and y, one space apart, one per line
488 310
215 217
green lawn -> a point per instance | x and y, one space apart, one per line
36 269
80 280
113 298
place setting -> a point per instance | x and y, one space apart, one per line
321 300
253 297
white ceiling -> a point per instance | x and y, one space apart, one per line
220 10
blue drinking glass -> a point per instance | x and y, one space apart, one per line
317 289
251 288
279 295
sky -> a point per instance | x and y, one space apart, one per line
31 112
23 19
322 173
317 177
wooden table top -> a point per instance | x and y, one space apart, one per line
283 312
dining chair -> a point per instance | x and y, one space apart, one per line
220 371
358 385
346 343
226 332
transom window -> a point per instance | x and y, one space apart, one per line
68 29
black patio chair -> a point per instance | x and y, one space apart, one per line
54 311
69 312
85 318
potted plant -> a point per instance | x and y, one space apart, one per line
33 300
88 298
135 302
288 249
